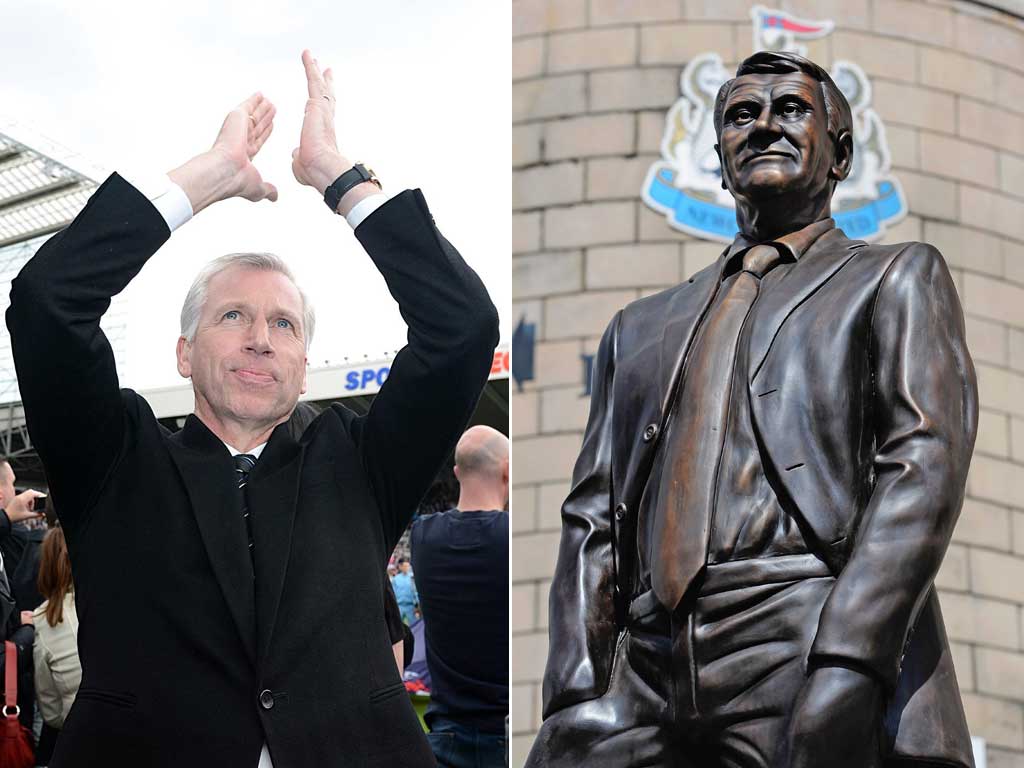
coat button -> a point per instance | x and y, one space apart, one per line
267 699
649 432
620 512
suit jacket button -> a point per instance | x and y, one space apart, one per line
649 432
267 699
620 512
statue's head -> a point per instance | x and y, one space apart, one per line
783 128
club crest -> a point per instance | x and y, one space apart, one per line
686 184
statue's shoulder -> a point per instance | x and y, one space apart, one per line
908 274
897 260
912 250
910 261
657 304
644 307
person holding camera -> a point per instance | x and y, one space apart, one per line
16 508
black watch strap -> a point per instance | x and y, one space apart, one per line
357 174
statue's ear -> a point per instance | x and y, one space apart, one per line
842 162
721 164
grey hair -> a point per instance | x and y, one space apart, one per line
196 296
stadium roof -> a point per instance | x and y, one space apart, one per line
42 185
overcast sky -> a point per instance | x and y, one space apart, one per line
423 98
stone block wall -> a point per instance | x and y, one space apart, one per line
592 82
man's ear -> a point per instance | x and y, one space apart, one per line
842 162
718 151
184 355
305 372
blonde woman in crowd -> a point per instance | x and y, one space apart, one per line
58 671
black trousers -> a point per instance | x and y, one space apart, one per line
711 686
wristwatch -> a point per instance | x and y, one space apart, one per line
357 174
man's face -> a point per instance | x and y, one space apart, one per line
6 484
405 567
774 136
247 360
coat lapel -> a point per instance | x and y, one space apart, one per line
208 476
272 493
686 308
823 260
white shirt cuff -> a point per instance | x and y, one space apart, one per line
167 197
364 208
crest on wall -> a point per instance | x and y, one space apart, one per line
686 183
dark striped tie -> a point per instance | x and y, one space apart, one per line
244 462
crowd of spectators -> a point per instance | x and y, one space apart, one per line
37 608
442 495
405 591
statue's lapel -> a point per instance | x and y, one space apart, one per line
683 315
815 268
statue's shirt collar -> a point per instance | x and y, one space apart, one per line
795 244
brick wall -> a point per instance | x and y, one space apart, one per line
592 81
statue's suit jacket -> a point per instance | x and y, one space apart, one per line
864 402
216 664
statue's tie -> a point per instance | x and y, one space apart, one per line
696 434
244 462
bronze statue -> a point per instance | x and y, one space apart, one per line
774 462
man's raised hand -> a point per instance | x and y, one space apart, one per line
316 162
246 128
226 169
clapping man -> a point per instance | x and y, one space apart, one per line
249 562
